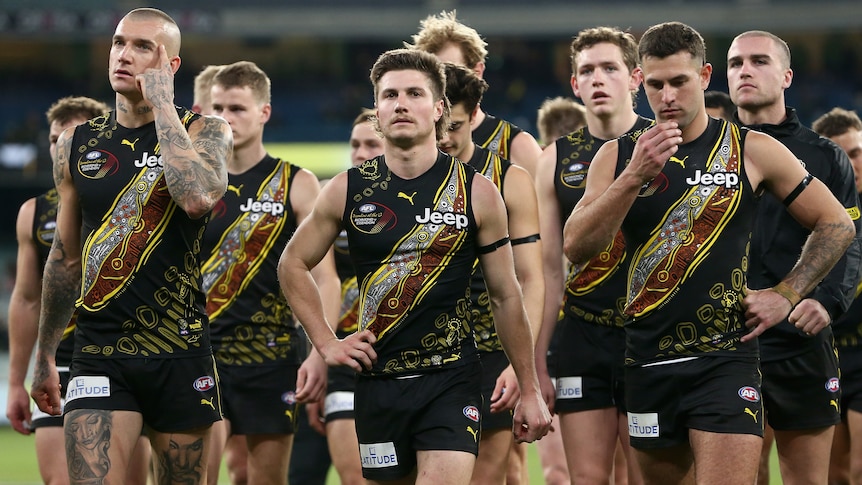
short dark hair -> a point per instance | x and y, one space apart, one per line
463 86
666 39
783 48
720 100
415 60
836 122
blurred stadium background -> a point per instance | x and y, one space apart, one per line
318 55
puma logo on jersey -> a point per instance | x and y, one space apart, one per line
131 144
474 432
751 413
209 402
408 198
681 162
235 190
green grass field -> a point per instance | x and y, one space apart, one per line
323 159
18 462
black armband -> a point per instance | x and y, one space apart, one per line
525 240
798 190
494 246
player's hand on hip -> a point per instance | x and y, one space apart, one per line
763 309
355 351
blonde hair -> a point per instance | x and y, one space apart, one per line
203 84
837 122
559 116
436 31
66 109
245 74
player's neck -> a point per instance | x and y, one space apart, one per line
245 157
467 153
610 127
133 113
412 161
772 114
478 119
696 127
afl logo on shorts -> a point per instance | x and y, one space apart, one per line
832 385
289 397
749 393
373 218
574 174
472 413
204 383
96 164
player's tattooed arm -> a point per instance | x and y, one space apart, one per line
61 280
195 160
825 245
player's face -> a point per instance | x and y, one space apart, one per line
674 86
406 109
851 142
245 115
459 138
134 49
365 143
58 128
603 82
756 75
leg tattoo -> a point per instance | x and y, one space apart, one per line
88 437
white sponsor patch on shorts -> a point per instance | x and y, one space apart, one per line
378 455
39 414
643 425
337 402
88 386
570 388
